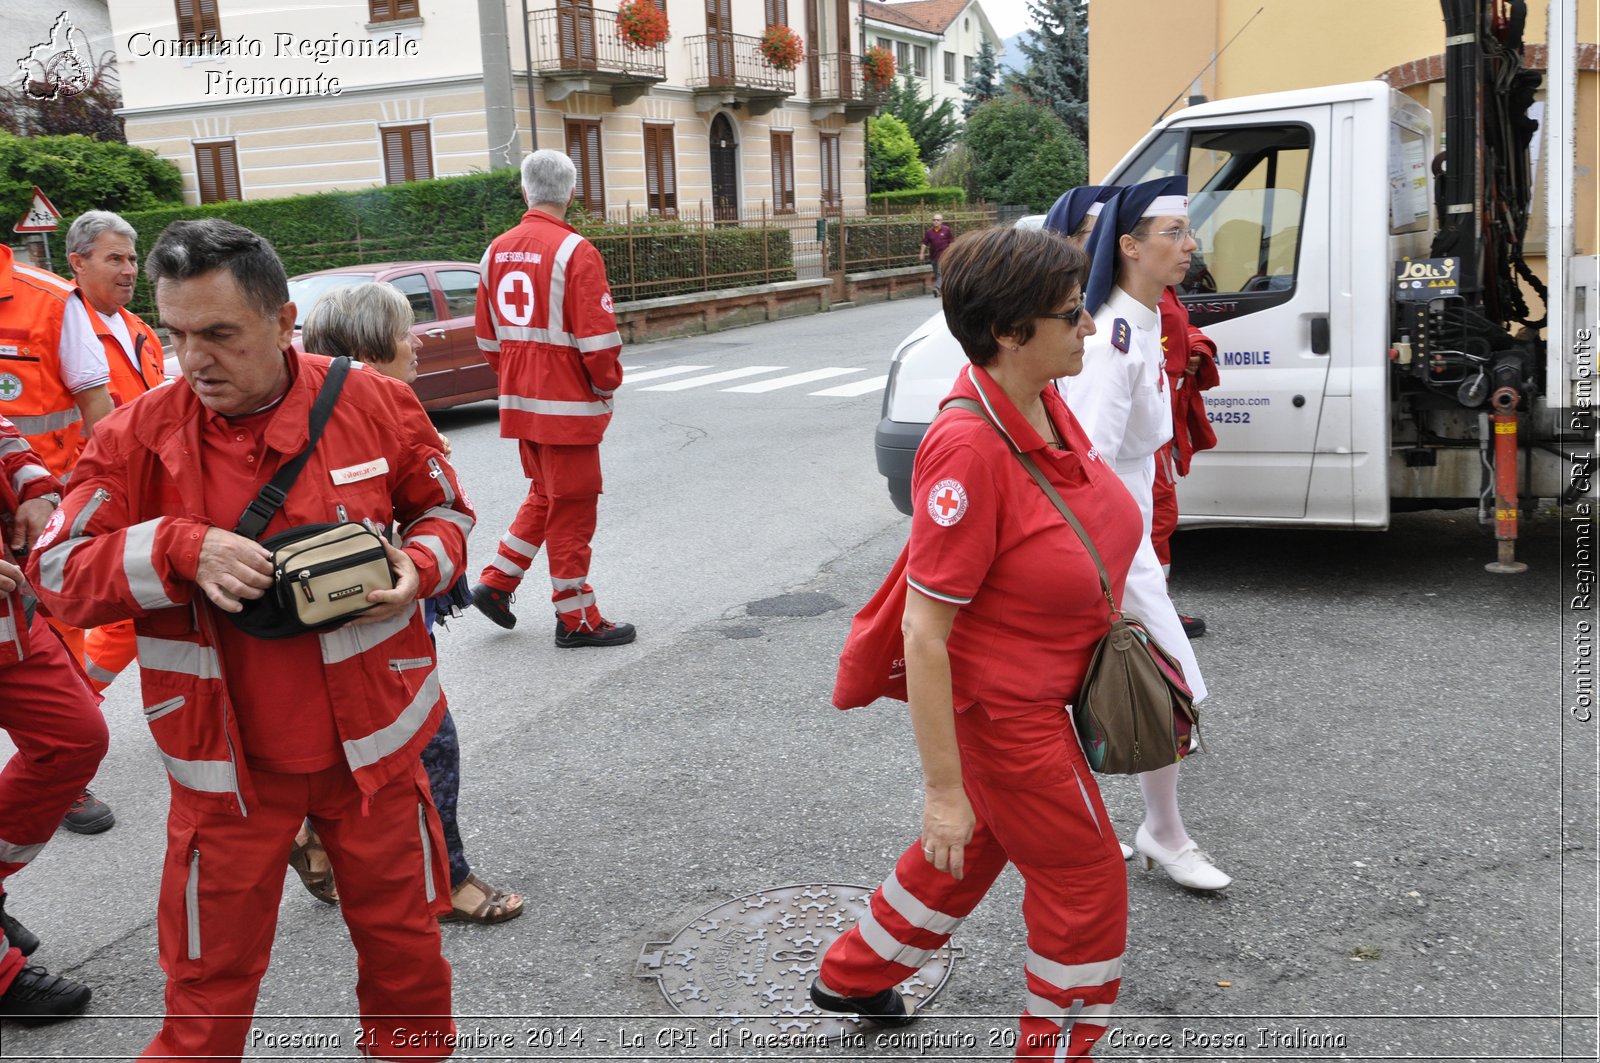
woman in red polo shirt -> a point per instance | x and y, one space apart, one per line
1003 610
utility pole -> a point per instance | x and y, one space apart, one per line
499 112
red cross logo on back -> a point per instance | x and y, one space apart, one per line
514 296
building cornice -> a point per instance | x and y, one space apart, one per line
232 102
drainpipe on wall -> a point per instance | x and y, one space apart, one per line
499 113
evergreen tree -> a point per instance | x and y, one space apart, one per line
892 161
933 128
1023 153
981 87
1057 54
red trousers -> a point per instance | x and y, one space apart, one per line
220 889
107 651
1164 516
55 723
559 513
1038 807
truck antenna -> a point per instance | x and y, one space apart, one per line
1209 65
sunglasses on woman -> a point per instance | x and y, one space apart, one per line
1069 316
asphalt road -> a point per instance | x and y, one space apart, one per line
1391 779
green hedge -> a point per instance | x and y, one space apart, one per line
888 241
910 198
455 218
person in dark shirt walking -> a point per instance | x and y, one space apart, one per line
934 241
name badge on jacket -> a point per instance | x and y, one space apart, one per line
365 471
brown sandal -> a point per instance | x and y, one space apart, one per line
318 883
496 907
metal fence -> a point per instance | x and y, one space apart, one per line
887 241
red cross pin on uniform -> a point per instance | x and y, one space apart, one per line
947 502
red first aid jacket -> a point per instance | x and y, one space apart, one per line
1191 431
23 477
128 382
126 543
546 325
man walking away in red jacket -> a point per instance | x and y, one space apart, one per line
547 327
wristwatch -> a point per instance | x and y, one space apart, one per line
52 497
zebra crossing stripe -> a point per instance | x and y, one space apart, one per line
715 378
792 380
631 377
854 388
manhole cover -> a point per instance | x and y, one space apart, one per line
750 961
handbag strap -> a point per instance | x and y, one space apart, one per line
1051 493
262 508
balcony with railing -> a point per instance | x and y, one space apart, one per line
578 49
835 86
728 68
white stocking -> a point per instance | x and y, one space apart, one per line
1161 816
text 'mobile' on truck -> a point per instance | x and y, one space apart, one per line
1375 349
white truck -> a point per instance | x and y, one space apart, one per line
1368 356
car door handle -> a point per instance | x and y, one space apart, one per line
436 333
1321 341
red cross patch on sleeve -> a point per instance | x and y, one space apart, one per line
947 502
1121 335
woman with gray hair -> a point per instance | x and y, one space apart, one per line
371 323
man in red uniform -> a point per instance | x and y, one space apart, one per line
257 735
1191 368
100 249
52 719
546 326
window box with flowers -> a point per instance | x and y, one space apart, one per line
877 68
781 47
642 25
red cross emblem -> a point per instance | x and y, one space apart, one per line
514 296
521 294
947 502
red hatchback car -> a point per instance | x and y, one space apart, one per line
443 295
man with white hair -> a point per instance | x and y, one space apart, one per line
547 327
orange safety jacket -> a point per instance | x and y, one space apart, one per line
23 477
32 395
127 382
126 543
547 327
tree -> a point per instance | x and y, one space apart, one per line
933 128
1023 153
1057 54
80 174
981 87
892 159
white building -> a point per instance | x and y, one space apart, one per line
936 41
256 100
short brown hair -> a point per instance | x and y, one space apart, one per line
996 282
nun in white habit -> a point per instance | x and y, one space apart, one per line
1141 243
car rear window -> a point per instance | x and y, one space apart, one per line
305 291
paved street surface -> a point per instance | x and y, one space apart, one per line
1391 779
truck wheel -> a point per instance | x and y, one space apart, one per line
900 495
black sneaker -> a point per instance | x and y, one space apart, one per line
604 633
88 815
887 1008
15 933
1193 626
494 604
37 996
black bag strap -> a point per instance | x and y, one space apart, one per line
1050 492
262 508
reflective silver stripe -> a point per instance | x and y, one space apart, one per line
175 655
528 334
1074 975
558 281
456 517
343 643
887 946
574 602
504 564
12 445
47 422
589 344
492 346
1087 804
914 911
1040 1008
206 776
191 904
8 629
429 888
53 566
163 708
447 568
365 752
26 475
81 521
570 584
143 583
13 853
98 674
521 546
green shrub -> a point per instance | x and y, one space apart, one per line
892 158
887 241
912 198
1023 153
79 174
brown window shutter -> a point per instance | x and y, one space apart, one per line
394 157
407 9
591 142
209 26
378 11
228 167
771 12
420 155
205 164
652 165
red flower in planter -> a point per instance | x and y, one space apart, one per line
877 68
781 48
641 24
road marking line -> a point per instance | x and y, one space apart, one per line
630 377
854 388
715 378
792 380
